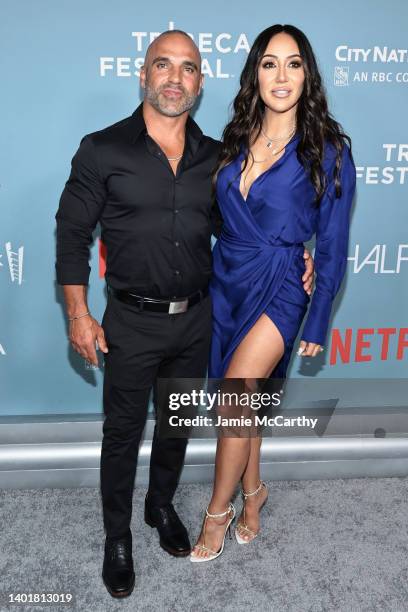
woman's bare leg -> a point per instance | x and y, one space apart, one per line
250 482
255 357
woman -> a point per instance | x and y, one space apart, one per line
285 173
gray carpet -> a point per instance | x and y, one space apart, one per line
325 545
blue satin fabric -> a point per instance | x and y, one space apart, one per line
258 259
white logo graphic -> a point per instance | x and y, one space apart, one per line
209 43
377 258
382 55
15 263
397 154
341 76
392 59
2 351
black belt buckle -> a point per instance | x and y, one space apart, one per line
169 307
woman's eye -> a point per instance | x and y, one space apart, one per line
268 65
295 64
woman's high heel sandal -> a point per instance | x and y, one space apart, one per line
213 554
243 526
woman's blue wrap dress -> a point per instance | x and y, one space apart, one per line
258 259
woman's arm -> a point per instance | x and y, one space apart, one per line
332 236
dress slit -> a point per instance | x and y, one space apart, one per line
245 333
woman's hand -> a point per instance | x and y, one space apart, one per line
309 349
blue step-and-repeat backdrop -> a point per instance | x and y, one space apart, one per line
72 67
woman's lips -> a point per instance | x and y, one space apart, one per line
281 93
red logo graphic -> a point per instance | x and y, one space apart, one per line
356 345
102 259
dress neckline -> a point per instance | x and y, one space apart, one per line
242 155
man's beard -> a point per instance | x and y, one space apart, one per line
170 108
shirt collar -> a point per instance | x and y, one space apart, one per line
193 132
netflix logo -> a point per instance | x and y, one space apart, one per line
368 344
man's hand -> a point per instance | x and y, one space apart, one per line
83 334
308 276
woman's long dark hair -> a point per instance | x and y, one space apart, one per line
314 121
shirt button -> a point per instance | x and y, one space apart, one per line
177 272
176 243
175 211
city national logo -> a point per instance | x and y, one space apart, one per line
380 65
341 76
14 263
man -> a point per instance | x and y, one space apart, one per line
147 180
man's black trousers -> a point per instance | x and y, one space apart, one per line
144 346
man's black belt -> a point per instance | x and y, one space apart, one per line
175 306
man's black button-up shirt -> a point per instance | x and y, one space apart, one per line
156 226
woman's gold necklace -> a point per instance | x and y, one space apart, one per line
274 151
269 145
270 141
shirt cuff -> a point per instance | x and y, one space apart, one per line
317 322
72 274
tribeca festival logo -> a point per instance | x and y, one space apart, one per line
394 171
386 65
214 48
15 263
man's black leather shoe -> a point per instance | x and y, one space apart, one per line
173 534
117 573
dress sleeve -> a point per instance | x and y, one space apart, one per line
80 208
216 218
332 236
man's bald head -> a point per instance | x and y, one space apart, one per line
170 33
171 75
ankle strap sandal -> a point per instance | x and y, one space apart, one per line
212 553
243 526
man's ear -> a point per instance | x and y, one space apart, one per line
143 76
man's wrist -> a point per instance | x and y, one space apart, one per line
74 317
75 300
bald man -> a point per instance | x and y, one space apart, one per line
147 180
